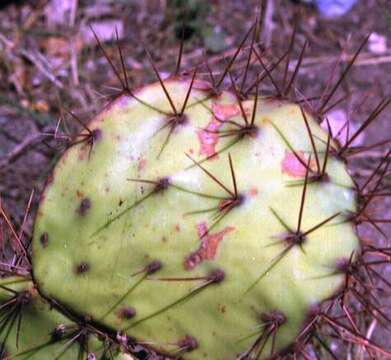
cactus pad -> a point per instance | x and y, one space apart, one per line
196 223
31 329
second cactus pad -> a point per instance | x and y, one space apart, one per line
30 328
198 224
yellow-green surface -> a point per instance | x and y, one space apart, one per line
127 226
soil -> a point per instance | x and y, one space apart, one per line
49 61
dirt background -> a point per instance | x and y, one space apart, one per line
48 57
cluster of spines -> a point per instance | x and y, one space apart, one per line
337 316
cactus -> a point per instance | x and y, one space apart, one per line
192 216
206 221
33 329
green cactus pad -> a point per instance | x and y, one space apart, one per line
32 329
181 228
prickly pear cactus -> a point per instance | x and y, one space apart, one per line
32 329
196 223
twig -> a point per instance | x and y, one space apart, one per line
39 65
19 149
366 59
368 335
267 31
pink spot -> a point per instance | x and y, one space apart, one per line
82 156
225 111
202 85
253 191
208 247
292 166
209 136
141 165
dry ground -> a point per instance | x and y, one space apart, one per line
48 57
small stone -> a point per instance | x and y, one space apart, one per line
377 44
